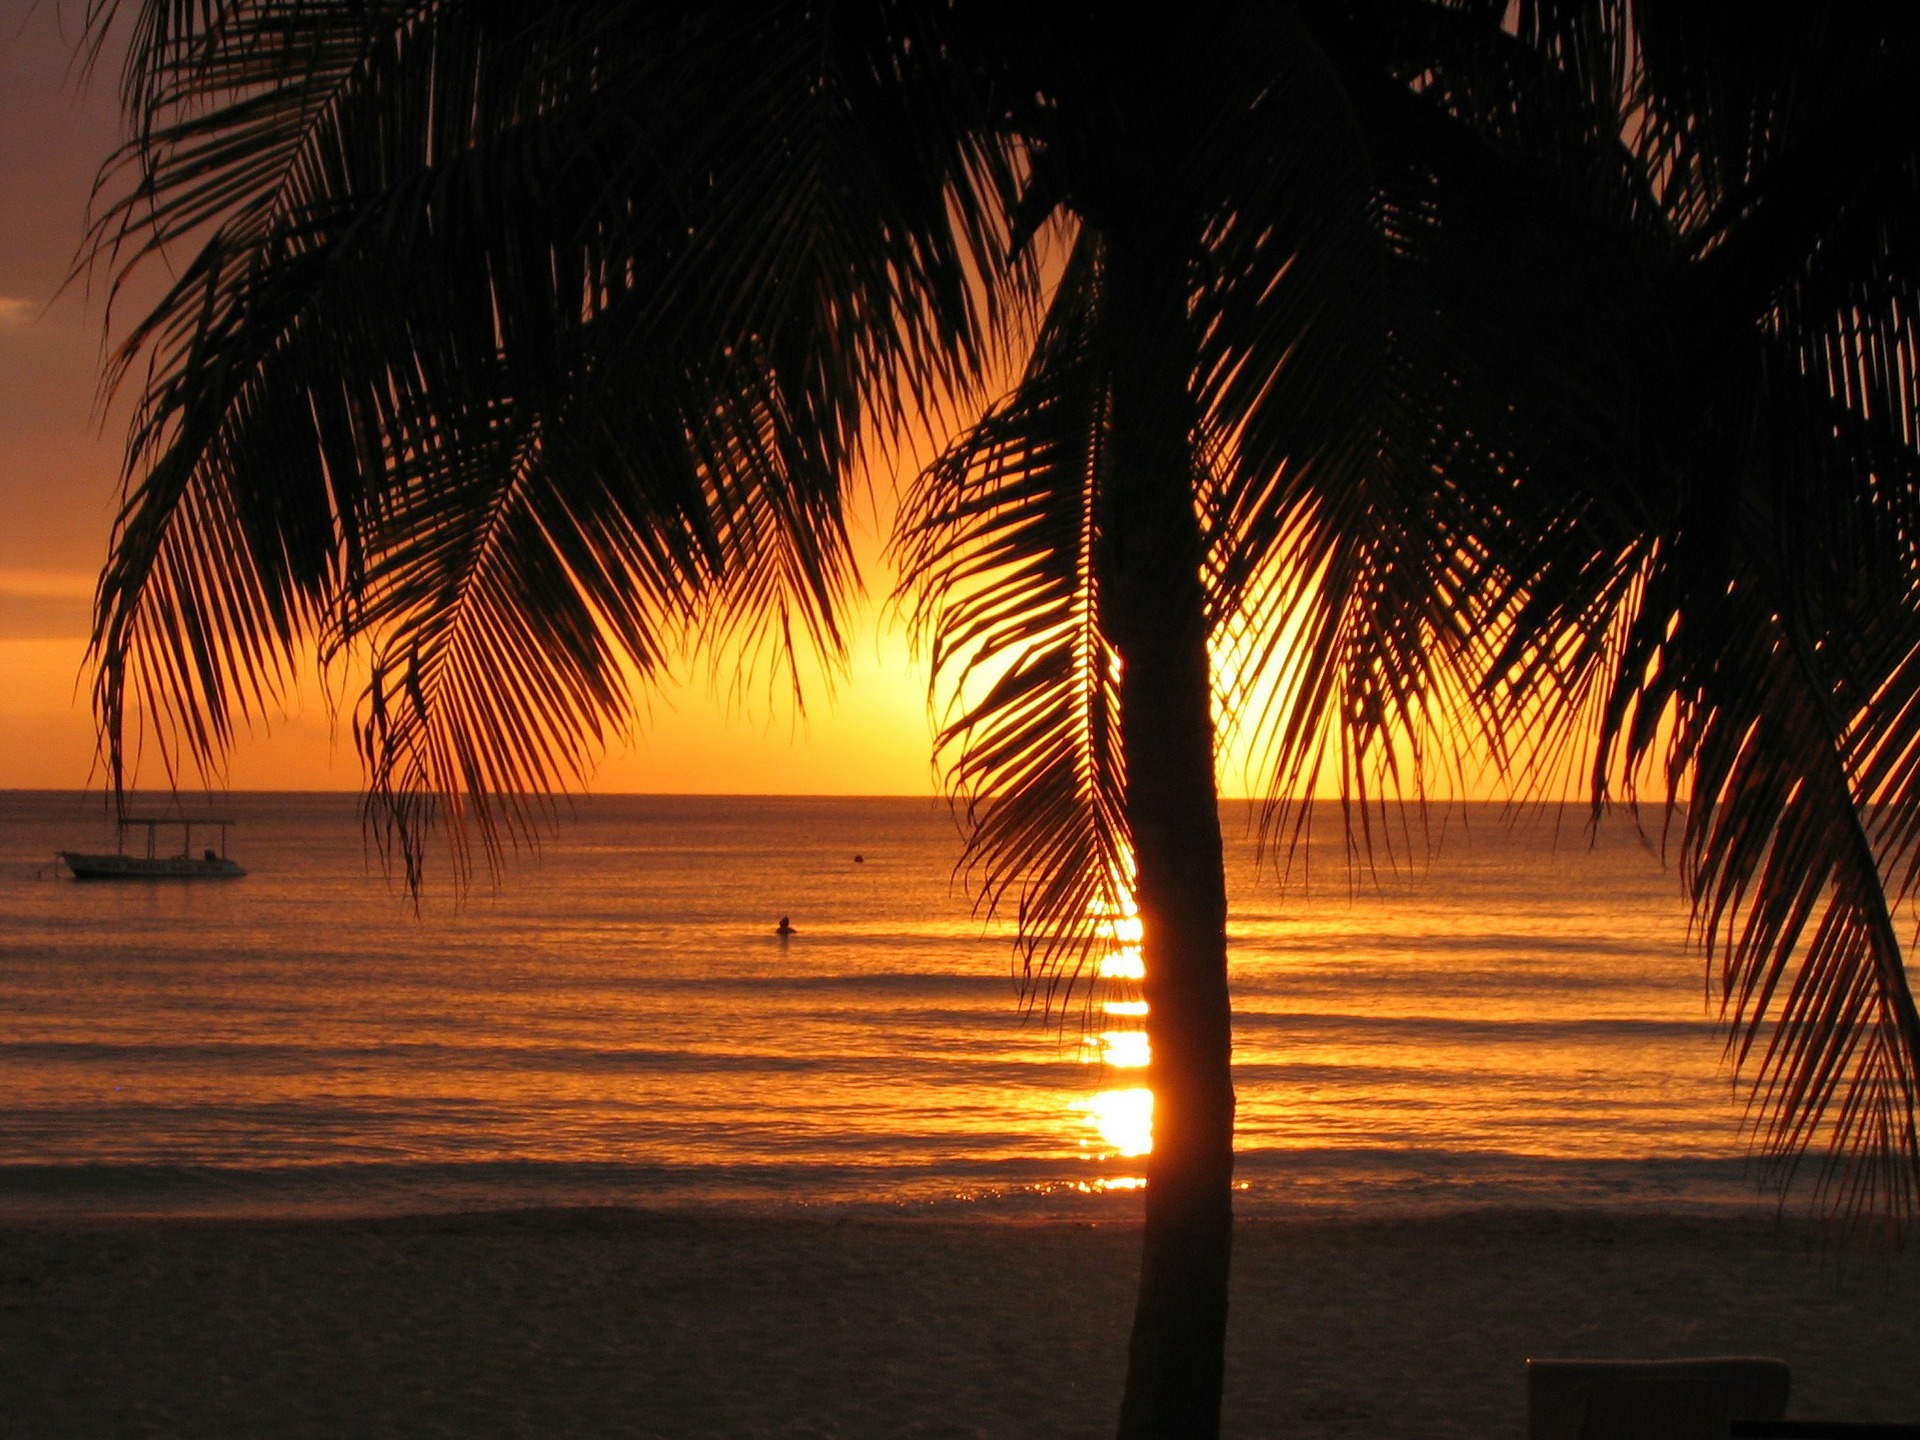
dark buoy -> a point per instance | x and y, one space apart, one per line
784 928
859 859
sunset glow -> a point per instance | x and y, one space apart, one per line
1125 1049
1108 1184
612 617
1123 1119
1123 965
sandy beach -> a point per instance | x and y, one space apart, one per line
634 1324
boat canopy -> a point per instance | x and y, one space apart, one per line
186 824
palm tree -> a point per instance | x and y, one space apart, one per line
1540 373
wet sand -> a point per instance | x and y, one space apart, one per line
632 1324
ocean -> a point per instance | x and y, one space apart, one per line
1510 1014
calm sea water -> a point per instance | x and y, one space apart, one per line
1512 1018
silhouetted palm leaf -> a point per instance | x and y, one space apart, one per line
1000 541
1739 605
522 408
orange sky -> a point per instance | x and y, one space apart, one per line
58 479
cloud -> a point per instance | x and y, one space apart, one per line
32 617
47 584
45 605
15 313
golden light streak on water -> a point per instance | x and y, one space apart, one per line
1125 1049
1123 965
1123 1119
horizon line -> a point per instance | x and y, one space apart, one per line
1435 803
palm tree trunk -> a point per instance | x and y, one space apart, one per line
1156 616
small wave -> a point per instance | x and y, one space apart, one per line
1357 1182
1463 1030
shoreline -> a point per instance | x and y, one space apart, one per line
1299 1184
618 1321
1574 1222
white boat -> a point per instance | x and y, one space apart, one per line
210 864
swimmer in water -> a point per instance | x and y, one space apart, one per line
783 928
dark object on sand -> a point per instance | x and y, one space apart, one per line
1821 1430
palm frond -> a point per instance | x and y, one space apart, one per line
1737 605
1370 533
518 362
997 548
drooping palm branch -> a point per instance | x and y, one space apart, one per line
511 362
999 542
1737 605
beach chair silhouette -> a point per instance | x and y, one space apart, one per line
1822 1430
1652 1399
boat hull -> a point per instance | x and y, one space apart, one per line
138 867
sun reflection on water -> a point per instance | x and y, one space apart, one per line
1121 1117
1122 1049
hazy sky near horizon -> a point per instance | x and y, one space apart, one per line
59 468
